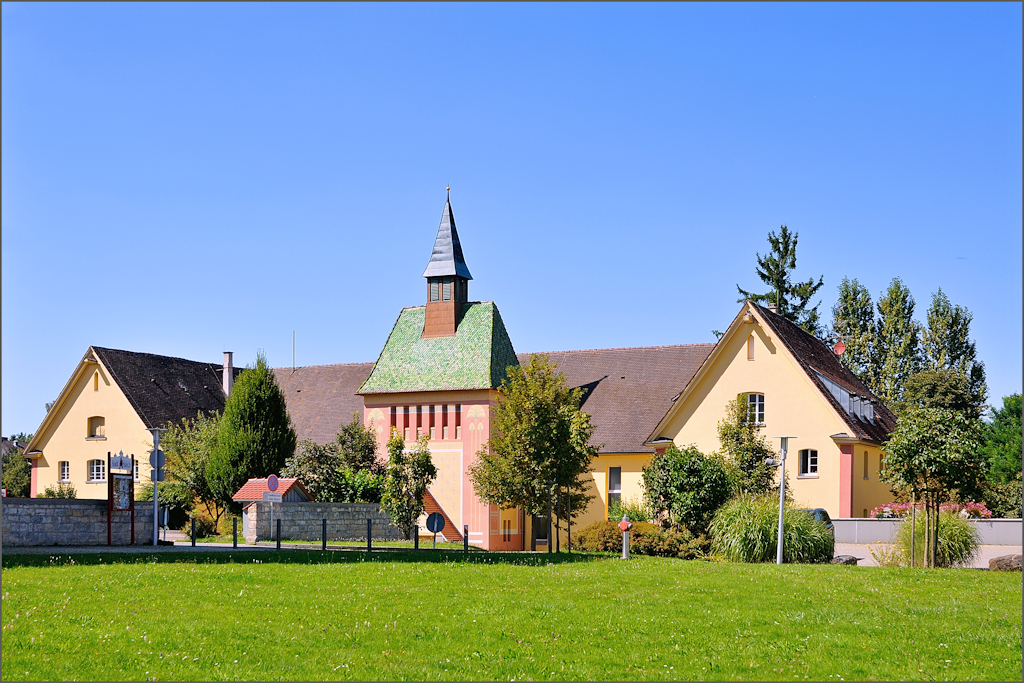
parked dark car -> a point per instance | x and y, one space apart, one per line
822 516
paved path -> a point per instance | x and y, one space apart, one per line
985 553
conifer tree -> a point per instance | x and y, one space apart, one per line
791 298
896 351
853 323
255 436
947 345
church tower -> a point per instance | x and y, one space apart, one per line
447 280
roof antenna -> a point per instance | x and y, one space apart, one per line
293 350
448 189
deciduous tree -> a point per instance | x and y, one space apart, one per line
745 449
406 480
540 439
188 446
792 298
1002 448
17 478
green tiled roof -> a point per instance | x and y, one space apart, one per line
475 358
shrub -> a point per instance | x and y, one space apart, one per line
745 530
687 486
644 539
635 508
66 491
205 527
958 540
17 475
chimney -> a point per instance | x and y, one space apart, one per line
773 308
229 372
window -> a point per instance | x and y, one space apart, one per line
614 486
865 465
97 470
458 420
96 428
750 347
446 289
394 418
808 463
65 470
444 422
405 422
434 290
96 381
755 408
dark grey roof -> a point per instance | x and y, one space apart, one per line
447 258
164 389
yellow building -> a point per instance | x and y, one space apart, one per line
797 387
107 407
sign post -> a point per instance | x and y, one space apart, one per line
156 460
272 496
435 525
782 492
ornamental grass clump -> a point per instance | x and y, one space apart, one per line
745 529
958 540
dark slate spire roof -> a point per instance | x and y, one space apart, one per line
447 258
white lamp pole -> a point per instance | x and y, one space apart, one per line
156 477
782 493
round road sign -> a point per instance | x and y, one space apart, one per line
435 522
272 482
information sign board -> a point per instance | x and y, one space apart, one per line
121 462
271 497
123 491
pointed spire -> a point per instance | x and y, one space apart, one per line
447 258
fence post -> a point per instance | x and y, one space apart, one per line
416 537
369 535
278 533
193 532
465 538
234 532
323 534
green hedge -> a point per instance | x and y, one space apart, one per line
644 539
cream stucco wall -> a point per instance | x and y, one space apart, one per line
64 434
793 406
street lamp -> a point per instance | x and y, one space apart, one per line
771 462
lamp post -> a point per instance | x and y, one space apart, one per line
781 464
157 465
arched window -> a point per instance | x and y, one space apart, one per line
755 408
750 347
97 427
96 381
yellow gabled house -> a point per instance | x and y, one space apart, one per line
796 386
107 407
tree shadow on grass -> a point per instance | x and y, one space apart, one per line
64 557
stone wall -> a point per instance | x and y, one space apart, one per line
303 521
59 522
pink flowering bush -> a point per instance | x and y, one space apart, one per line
900 510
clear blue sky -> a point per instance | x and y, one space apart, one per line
188 179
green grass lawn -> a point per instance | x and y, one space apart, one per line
299 614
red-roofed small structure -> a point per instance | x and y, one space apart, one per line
291 490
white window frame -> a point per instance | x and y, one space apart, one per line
755 408
64 471
100 467
808 463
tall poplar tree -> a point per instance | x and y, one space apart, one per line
791 298
255 436
947 345
896 353
853 323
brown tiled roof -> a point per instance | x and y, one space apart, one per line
163 389
627 391
816 357
321 397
